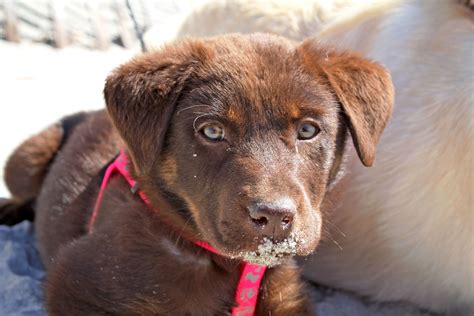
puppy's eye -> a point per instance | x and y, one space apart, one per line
307 131
213 132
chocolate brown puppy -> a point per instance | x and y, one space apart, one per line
235 141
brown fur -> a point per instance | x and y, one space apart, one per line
260 88
31 161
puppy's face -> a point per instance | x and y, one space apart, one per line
254 140
249 149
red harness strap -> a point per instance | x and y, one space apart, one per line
251 275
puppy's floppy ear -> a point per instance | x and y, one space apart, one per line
363 88
141 96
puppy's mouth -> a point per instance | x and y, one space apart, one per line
254 246
271 253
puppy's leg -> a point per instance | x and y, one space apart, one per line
72 285
12 212
27 167
98 275
284 293
28 164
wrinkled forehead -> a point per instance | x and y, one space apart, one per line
254 89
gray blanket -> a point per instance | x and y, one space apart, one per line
21 276
21 273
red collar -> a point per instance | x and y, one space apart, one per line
251 275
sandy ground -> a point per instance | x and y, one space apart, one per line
40 85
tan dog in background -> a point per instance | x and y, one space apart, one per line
403 230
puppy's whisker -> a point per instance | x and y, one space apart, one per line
198 114
327 234
335 242
336 228
182 231
191 107
197 118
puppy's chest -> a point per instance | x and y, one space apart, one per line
166 272
191 282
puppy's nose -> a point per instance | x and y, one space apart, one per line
273 219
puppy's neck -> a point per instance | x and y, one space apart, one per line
179 219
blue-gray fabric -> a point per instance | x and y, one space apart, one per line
21 272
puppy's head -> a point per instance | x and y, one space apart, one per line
244 135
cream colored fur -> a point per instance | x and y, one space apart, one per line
295 19
404 229
409 221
